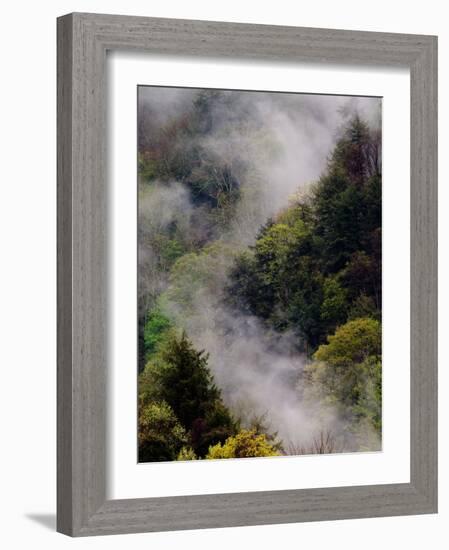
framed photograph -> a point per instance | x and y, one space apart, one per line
247 274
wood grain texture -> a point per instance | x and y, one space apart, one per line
83 40
64 277
423 281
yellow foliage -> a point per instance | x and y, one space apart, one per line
245 444
187 453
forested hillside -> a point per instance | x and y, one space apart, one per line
259 275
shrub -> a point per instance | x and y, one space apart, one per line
245 444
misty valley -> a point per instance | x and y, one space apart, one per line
259 274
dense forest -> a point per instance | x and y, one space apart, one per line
259 274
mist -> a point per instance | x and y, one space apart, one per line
277 145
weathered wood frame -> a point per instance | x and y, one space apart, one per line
83 40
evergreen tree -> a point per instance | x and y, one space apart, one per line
179 376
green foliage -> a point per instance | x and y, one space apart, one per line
347 370
338 217
197 271
363 306
352 343
178 375
171 250
154 329
264 280
245 290
358 152
147 167
369 393
314 271
334 305
161 436
187 453
245 444
319 263
362 277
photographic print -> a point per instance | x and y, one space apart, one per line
259 274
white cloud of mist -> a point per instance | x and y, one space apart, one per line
158 207
279 149
257 370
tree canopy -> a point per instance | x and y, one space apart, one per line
246 444
319 263
304 284
178 376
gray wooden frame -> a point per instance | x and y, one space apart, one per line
83 40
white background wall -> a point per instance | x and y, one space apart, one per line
28 267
